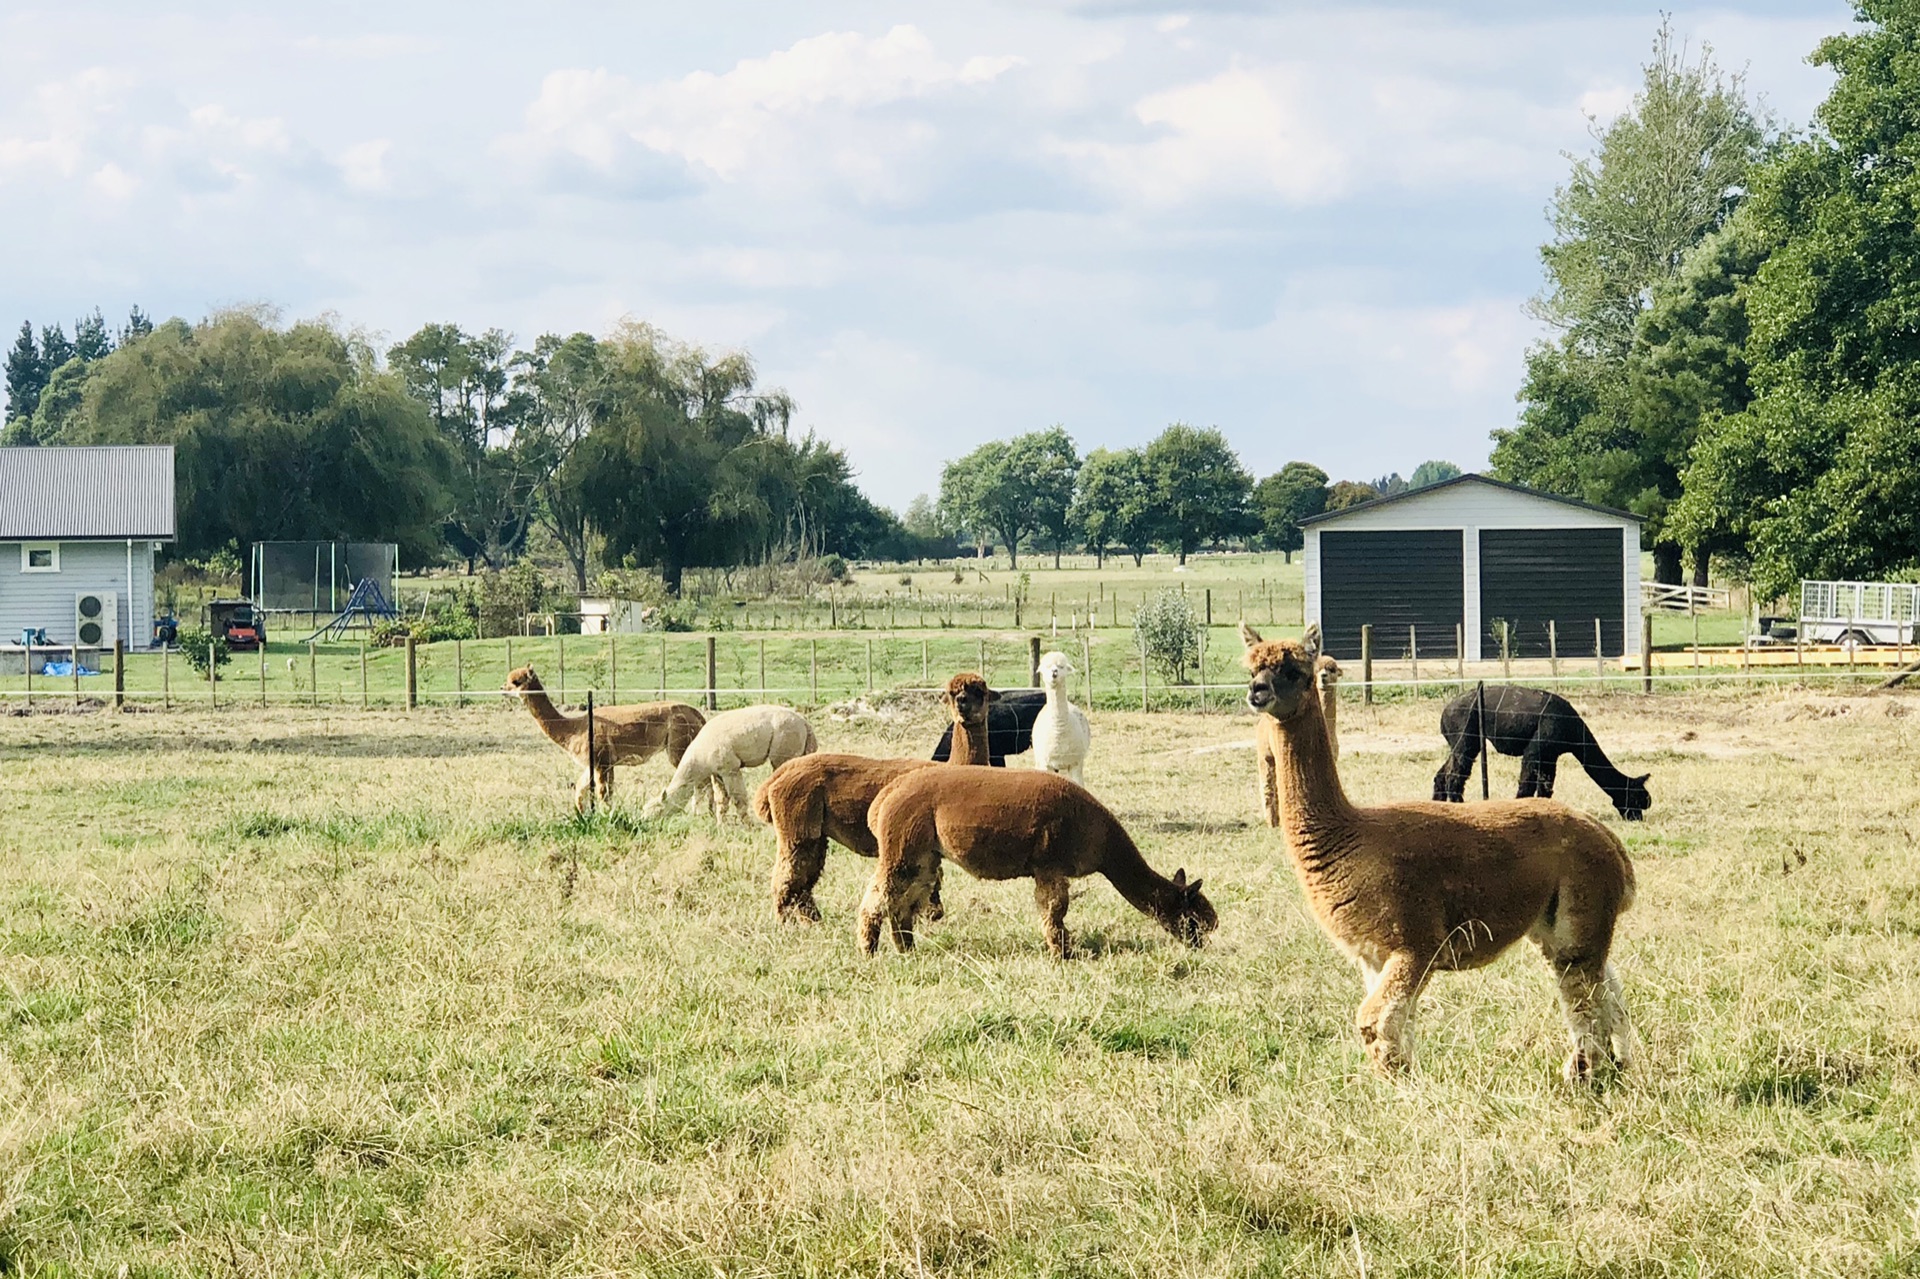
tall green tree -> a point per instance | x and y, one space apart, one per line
1048 465
1295 492
1113 503
1345 493
1200 490
90 338
1011 489
26 375
564 383
1433 472
1664 176
291 433
1820 471
55 349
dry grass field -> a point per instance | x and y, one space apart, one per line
336 993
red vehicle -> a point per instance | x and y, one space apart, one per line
243 626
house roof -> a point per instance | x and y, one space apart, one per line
1471 477
76 494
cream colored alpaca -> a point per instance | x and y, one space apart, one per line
1266 736
621 734
730 742
1061 735
1407 889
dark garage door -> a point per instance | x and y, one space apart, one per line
1568 576
1392 580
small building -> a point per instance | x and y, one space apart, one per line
78 531
1469 557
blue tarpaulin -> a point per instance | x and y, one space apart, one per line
66 668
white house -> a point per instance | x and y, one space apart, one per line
1461 557
78 531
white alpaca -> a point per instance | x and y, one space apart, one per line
1061 734
732 741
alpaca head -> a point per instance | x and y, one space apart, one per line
1631 796
968 696
1283 672
1055 672
522 681
1330 671
1188 915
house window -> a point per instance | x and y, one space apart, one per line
40 557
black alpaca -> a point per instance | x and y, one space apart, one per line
1539 727
1009 726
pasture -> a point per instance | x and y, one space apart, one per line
344 993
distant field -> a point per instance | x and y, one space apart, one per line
334 993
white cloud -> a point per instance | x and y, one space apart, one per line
363 166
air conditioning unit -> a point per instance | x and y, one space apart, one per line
96 619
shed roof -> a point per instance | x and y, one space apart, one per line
81 493
1471 477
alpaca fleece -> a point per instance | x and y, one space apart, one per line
1266 736
1062 737
969 699
621 734
1408 889
1539 727
1011 824
730 742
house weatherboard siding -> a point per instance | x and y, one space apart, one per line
1519 527
46 600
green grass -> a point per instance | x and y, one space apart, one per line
337 993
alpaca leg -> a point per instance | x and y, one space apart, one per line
1536 776
1584 1001
1576 945
1613 1019
606 785
736 793
796 869
1385 1021
583 791
1050 895
936 910
1450 783
1269 785
873 911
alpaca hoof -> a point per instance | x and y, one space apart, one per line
869 934
935 911
1579 1068
1386 1057
800 910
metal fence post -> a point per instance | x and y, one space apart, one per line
363 675
593 762
1480 713
1366 663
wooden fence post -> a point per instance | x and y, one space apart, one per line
593 773
313 673
1033 661
119 674
1366 664
713 693
1460 652
1209 594
1646 652
363 674
1553 650
213 677
560 644
1143 671
1599 651
263 671
166 676
613 668
763 667
1413 655
413 677
924 675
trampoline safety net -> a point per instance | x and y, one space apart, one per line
318 577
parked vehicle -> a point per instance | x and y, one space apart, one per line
1858 613
243 625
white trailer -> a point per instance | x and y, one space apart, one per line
1858 612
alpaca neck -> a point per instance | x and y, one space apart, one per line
1146 889
552 722
1598 766
1311 798
1330 711
970 743
1057 697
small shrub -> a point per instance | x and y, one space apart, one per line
1167 631
834 568
199 646
906 579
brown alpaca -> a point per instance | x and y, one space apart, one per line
621 734
820 797
1406 889
1266 736
967 697
1011 824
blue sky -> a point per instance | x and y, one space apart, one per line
1312 225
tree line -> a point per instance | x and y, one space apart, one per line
1737 347
629 450
1184 490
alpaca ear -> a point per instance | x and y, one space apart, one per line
1193 889
1312 641
993 694
1248 636
1642 779
1180 878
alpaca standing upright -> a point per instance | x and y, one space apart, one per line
621 734
1266 742
732 741
1061 735
823 797
1009 726
1539 727
968 698
1011 824
1407 889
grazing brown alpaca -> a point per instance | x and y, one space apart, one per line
820 797
1011 824
1266 735
1406 889
621 734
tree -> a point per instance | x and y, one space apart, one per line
55 350
1349 493
90 339
278 433
564 383
1047 466
137 326
26 375
1434 472
1665 175
1113 503
924 520
1199 489
1295 492
1819 472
